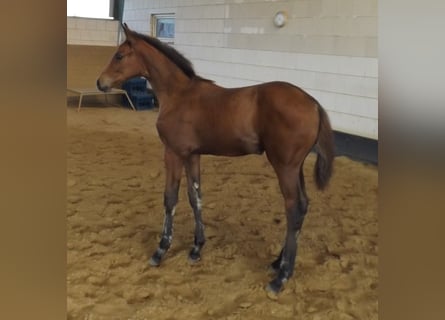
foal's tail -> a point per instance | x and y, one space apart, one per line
324 148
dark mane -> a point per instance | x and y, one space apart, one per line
171 53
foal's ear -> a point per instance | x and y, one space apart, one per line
128 33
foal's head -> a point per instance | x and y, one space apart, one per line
124 65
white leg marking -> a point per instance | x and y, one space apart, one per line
198 199
169 237
198 202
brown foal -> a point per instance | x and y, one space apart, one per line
198 117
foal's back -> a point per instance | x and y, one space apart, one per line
252 119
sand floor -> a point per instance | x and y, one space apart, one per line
115 214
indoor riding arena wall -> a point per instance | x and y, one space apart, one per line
90 45
326 47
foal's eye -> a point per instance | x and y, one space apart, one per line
118 56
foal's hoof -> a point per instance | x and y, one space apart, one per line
155 260
194 257
274 286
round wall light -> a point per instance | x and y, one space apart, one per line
280 18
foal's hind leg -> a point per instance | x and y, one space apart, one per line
174 166
192 169
303 203
292 186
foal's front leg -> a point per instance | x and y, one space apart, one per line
192 169
173 166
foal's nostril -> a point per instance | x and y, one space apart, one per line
98 85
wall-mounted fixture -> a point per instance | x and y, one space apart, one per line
280 18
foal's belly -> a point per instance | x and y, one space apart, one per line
230 146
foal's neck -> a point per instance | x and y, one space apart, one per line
165 77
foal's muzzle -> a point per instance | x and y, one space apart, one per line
101 88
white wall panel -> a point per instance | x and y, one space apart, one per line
87 31
328 47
